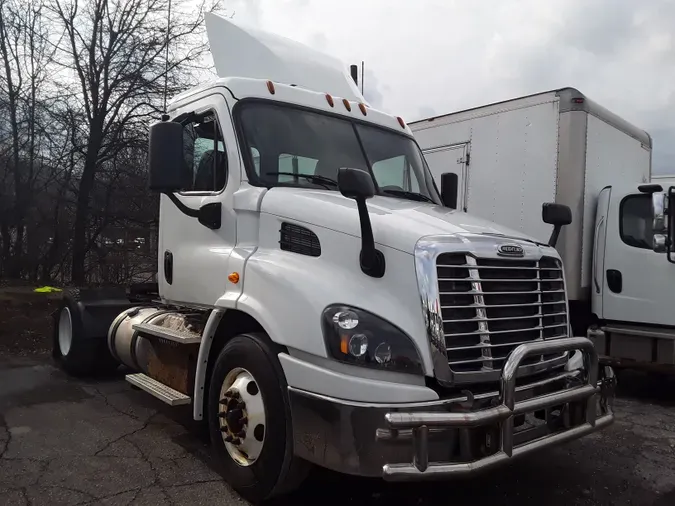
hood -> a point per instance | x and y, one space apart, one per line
397 223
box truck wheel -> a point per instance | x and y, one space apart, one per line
250 421
74 351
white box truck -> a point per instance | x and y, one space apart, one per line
561 147
318 302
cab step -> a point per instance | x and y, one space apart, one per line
159 390
176 336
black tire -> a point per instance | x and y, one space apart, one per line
85 356
276 471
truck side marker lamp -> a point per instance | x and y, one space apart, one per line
329 99
401 122
363 109
270 87
348 106
234 278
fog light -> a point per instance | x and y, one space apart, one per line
346 320
358 345
383 353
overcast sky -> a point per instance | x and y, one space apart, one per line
431 57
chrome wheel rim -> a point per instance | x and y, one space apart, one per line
241 417
65 331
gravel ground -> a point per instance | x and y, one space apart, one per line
64 441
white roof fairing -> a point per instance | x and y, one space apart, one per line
246 52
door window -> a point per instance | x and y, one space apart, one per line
636 221
204 153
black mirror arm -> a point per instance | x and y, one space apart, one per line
371 259
208 215
188 211
554 235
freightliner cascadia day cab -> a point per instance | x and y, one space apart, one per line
561 147
318 302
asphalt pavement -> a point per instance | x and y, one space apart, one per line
74 442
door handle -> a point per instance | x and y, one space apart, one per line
168 266
614 280
595 255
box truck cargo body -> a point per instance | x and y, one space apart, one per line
556 146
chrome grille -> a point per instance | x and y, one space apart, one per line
490 306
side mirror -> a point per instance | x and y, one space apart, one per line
168 171
449 184
659 204
663 224
557 215
355 184
358 184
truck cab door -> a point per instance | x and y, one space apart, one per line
637 281
599 248
193 252
455 159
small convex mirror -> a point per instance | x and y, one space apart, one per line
659 203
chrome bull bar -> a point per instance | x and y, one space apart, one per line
504 413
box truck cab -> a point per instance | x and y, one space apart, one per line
318 303
631 293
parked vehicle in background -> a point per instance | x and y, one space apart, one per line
562 147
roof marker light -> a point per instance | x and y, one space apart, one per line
270 87
363 109
348 106
329 99
578 100
401 122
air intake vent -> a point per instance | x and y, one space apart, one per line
299 240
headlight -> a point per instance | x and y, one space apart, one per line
360 338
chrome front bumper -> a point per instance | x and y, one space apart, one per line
460 436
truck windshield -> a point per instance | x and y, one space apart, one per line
295 147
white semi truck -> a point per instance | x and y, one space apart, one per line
561 147
317 300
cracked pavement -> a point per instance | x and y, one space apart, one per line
74 442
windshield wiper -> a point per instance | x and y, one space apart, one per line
326 182
409 195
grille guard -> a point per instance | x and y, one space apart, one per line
504 414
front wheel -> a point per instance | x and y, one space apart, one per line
250 420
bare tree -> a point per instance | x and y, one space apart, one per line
25 54
121 55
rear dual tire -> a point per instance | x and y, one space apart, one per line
74 351
247 377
